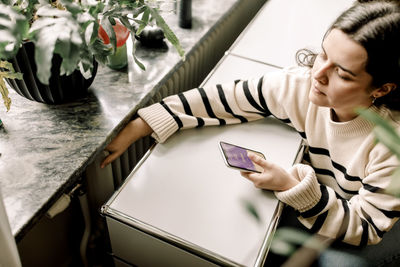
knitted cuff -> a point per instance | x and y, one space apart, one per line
304 195
160 121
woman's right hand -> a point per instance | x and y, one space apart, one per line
273 177
134 130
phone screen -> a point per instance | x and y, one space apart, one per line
236 157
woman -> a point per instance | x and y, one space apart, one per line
338 191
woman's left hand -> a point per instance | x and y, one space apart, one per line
273 177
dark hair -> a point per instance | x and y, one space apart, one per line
375 25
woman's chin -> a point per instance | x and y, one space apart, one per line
315 99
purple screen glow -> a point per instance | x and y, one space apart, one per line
237 157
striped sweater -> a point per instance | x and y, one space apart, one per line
340 194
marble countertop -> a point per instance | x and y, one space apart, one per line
45 148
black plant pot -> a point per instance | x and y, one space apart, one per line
61 89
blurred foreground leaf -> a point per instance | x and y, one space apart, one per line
387 135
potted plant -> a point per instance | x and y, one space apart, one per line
60 40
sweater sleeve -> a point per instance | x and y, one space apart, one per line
284 94
364 218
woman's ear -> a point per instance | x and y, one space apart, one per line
384 90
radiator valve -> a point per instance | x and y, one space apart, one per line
61 204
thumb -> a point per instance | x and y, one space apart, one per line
257 159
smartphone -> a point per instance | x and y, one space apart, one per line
236 157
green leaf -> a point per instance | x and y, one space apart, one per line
394 186
292 235
144 21
45 41
140 64
384 132
86 67
100 50
107 25
89 25
49 11
131 9
70 60
4 93
251 209
71 6
282 248
91 33
387 135
7 71
293 238
389 138
56 32
13 29
169 34
126 22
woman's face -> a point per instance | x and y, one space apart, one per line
339 78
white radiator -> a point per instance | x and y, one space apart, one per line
199 62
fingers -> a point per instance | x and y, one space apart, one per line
115 148
257 179
257 159
134 130
105 162
252 176
110 158
244 174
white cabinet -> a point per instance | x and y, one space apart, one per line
183 207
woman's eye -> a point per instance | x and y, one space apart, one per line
342 76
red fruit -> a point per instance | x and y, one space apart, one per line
121 33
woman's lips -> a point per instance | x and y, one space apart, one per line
316 90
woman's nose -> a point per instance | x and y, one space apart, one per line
321 74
